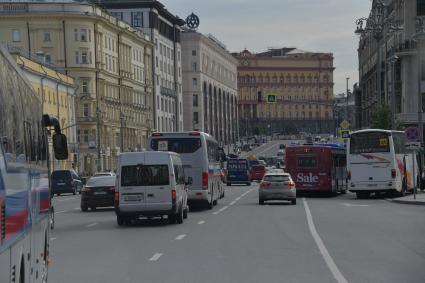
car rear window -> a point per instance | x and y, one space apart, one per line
63 174
276 178
258 168
145 175
104 181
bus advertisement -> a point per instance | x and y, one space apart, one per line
317 167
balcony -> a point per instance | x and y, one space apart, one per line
407 48
168 92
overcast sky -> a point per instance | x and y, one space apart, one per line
312 25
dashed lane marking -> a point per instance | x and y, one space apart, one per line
180 237
155 257
232 203
59 212
52 238
92 225
201 222
326 256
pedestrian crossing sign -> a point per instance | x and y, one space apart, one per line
345 134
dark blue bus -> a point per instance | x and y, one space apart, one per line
237 172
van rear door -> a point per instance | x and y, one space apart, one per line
131 188
157 181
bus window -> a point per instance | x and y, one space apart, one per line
177 145
306 161
369 142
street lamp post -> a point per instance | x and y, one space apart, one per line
420 33
346 100
98 112
393 61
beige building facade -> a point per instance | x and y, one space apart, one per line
112 66
209 87
300 81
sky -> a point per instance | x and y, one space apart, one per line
311 25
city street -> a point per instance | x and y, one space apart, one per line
321 239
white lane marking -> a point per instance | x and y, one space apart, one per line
221 210
180 237
155 257
201 222
326 256
238 198
66 199
92 225
232 203
59 212
353 205
77 208
52 238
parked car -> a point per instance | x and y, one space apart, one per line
237 172
151 184
66 181
277 186
98 192
257 172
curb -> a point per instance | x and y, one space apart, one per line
414 202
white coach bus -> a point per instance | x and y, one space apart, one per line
378 161
201 162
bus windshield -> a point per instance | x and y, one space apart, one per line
369 142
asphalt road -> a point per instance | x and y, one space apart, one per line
329 239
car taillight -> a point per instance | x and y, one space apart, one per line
173 196
265 184
290 184
194 133
156 134
393 173
117 196
349 175
85 189
205 180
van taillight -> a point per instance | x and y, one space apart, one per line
205 180
117 196
173 196
393 173
349 175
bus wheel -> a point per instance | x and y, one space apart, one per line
363 195
403 188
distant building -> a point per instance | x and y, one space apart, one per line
57 93
344 109
209 87
301 83
164 29
110 61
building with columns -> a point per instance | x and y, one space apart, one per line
209 87
110 61
164 29
301 83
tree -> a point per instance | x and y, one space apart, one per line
381 118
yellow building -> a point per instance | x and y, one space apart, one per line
300 82
111 63
57 92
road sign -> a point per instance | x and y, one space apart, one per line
344 125
412 134
345 134
271 98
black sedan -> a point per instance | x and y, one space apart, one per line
98 192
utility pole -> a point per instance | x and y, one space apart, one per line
346 101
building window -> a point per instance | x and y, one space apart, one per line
195 100
137 20
83 35
85 86
86 136
48 58
193 52
194 66
195 81
75 34
84 58
77 57
86 110
117 15
46 36
195 118
16 35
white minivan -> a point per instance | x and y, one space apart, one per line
150 184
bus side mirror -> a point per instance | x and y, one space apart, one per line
60 146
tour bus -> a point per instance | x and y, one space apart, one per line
379 162
317 167
24 180
201 161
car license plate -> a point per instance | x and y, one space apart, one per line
100 193
60 184
133 197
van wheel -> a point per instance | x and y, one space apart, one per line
363 195
185 213
260 201
74 192
180 216
84 208
172 218
294 201
229 184
215 202
120 220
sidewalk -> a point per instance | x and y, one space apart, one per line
420 199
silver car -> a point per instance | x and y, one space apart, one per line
277 186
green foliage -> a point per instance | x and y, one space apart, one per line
381 118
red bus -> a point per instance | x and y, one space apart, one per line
317 167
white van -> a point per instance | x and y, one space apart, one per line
150 184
